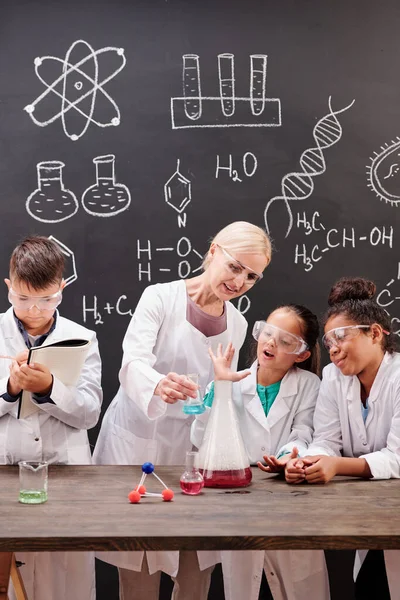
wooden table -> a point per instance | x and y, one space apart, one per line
88 509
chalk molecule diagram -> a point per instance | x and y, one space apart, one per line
299 185
71 272
383 173
78 87
195 110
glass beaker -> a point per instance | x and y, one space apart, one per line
51 202
223 460
191 480
32 482
194 406
106 198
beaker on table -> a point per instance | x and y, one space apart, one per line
32 481
191 480
223 460
106 198
51 202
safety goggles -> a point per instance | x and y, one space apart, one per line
287 342
336 337
235 268
21 302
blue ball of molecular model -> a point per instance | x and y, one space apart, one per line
147 468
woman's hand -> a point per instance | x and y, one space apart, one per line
175 387
276 465
222 365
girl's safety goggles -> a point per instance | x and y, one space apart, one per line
21 302
285 341
336 337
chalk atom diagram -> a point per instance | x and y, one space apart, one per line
193 110
78 87
71 273
300 185
383 173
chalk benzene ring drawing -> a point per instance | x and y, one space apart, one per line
66 105
326 133
375 182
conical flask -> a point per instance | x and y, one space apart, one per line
223 459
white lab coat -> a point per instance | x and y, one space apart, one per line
294 575
139 426
340 430
57 434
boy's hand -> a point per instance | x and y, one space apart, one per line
276 465
22 357
222 364
34 378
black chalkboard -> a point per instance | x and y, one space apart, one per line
206 112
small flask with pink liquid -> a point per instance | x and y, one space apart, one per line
191 481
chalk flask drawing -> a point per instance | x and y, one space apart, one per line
223 459
106 198
51 202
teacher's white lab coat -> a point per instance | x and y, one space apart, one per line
298 575
140 427
57 434
340 430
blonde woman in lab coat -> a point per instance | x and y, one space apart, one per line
57 432
173 327
275 405
357 417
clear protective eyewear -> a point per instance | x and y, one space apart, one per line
22 302
289 343
235 267
336 337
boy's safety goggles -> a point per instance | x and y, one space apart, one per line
285 341
21 302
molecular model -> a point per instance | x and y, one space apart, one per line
140 491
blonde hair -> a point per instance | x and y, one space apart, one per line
242 237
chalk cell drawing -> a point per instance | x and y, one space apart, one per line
106 198
300 185
383 173
76 84
70 266
51 202
193 110
178 191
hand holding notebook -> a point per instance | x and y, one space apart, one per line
64 359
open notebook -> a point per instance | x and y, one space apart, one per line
64 359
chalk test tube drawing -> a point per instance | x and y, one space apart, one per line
383 173
193 110
106 198
300 185
178 191
70 267
78 87
51 202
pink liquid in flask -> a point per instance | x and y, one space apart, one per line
192 488
227 479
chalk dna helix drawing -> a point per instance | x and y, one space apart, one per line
299 185
78 87
195 110
51 202
383 173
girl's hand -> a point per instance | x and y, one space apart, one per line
175 387
276 465
294 470
320 469
222 365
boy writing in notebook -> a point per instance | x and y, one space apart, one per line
57 431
